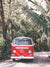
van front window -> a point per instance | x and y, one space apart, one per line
23 42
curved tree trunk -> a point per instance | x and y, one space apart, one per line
2 19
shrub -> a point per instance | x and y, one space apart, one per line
2 41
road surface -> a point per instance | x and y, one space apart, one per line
41 60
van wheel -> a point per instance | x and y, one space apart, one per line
13 59
31 60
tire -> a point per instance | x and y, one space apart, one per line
31 60
49 56
13 59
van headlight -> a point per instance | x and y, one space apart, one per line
14 51
29 51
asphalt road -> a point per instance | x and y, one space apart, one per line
41 60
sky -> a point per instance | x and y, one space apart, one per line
42 2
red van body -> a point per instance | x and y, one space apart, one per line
22 48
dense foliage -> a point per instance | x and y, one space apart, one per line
2 41
19 20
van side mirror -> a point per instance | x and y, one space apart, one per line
11 43
34 44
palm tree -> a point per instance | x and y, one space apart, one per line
39 21
45 14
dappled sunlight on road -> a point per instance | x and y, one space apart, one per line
40 60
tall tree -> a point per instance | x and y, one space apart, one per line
2 19
42 10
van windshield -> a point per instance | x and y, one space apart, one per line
23 42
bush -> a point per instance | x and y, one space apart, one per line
41 45
2 41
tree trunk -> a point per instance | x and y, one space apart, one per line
2 19
10 20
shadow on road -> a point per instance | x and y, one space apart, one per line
35 60
24 61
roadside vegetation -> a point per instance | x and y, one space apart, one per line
17 19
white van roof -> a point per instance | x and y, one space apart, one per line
22 38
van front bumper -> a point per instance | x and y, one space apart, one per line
22 57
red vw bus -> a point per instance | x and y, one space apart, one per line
22 48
